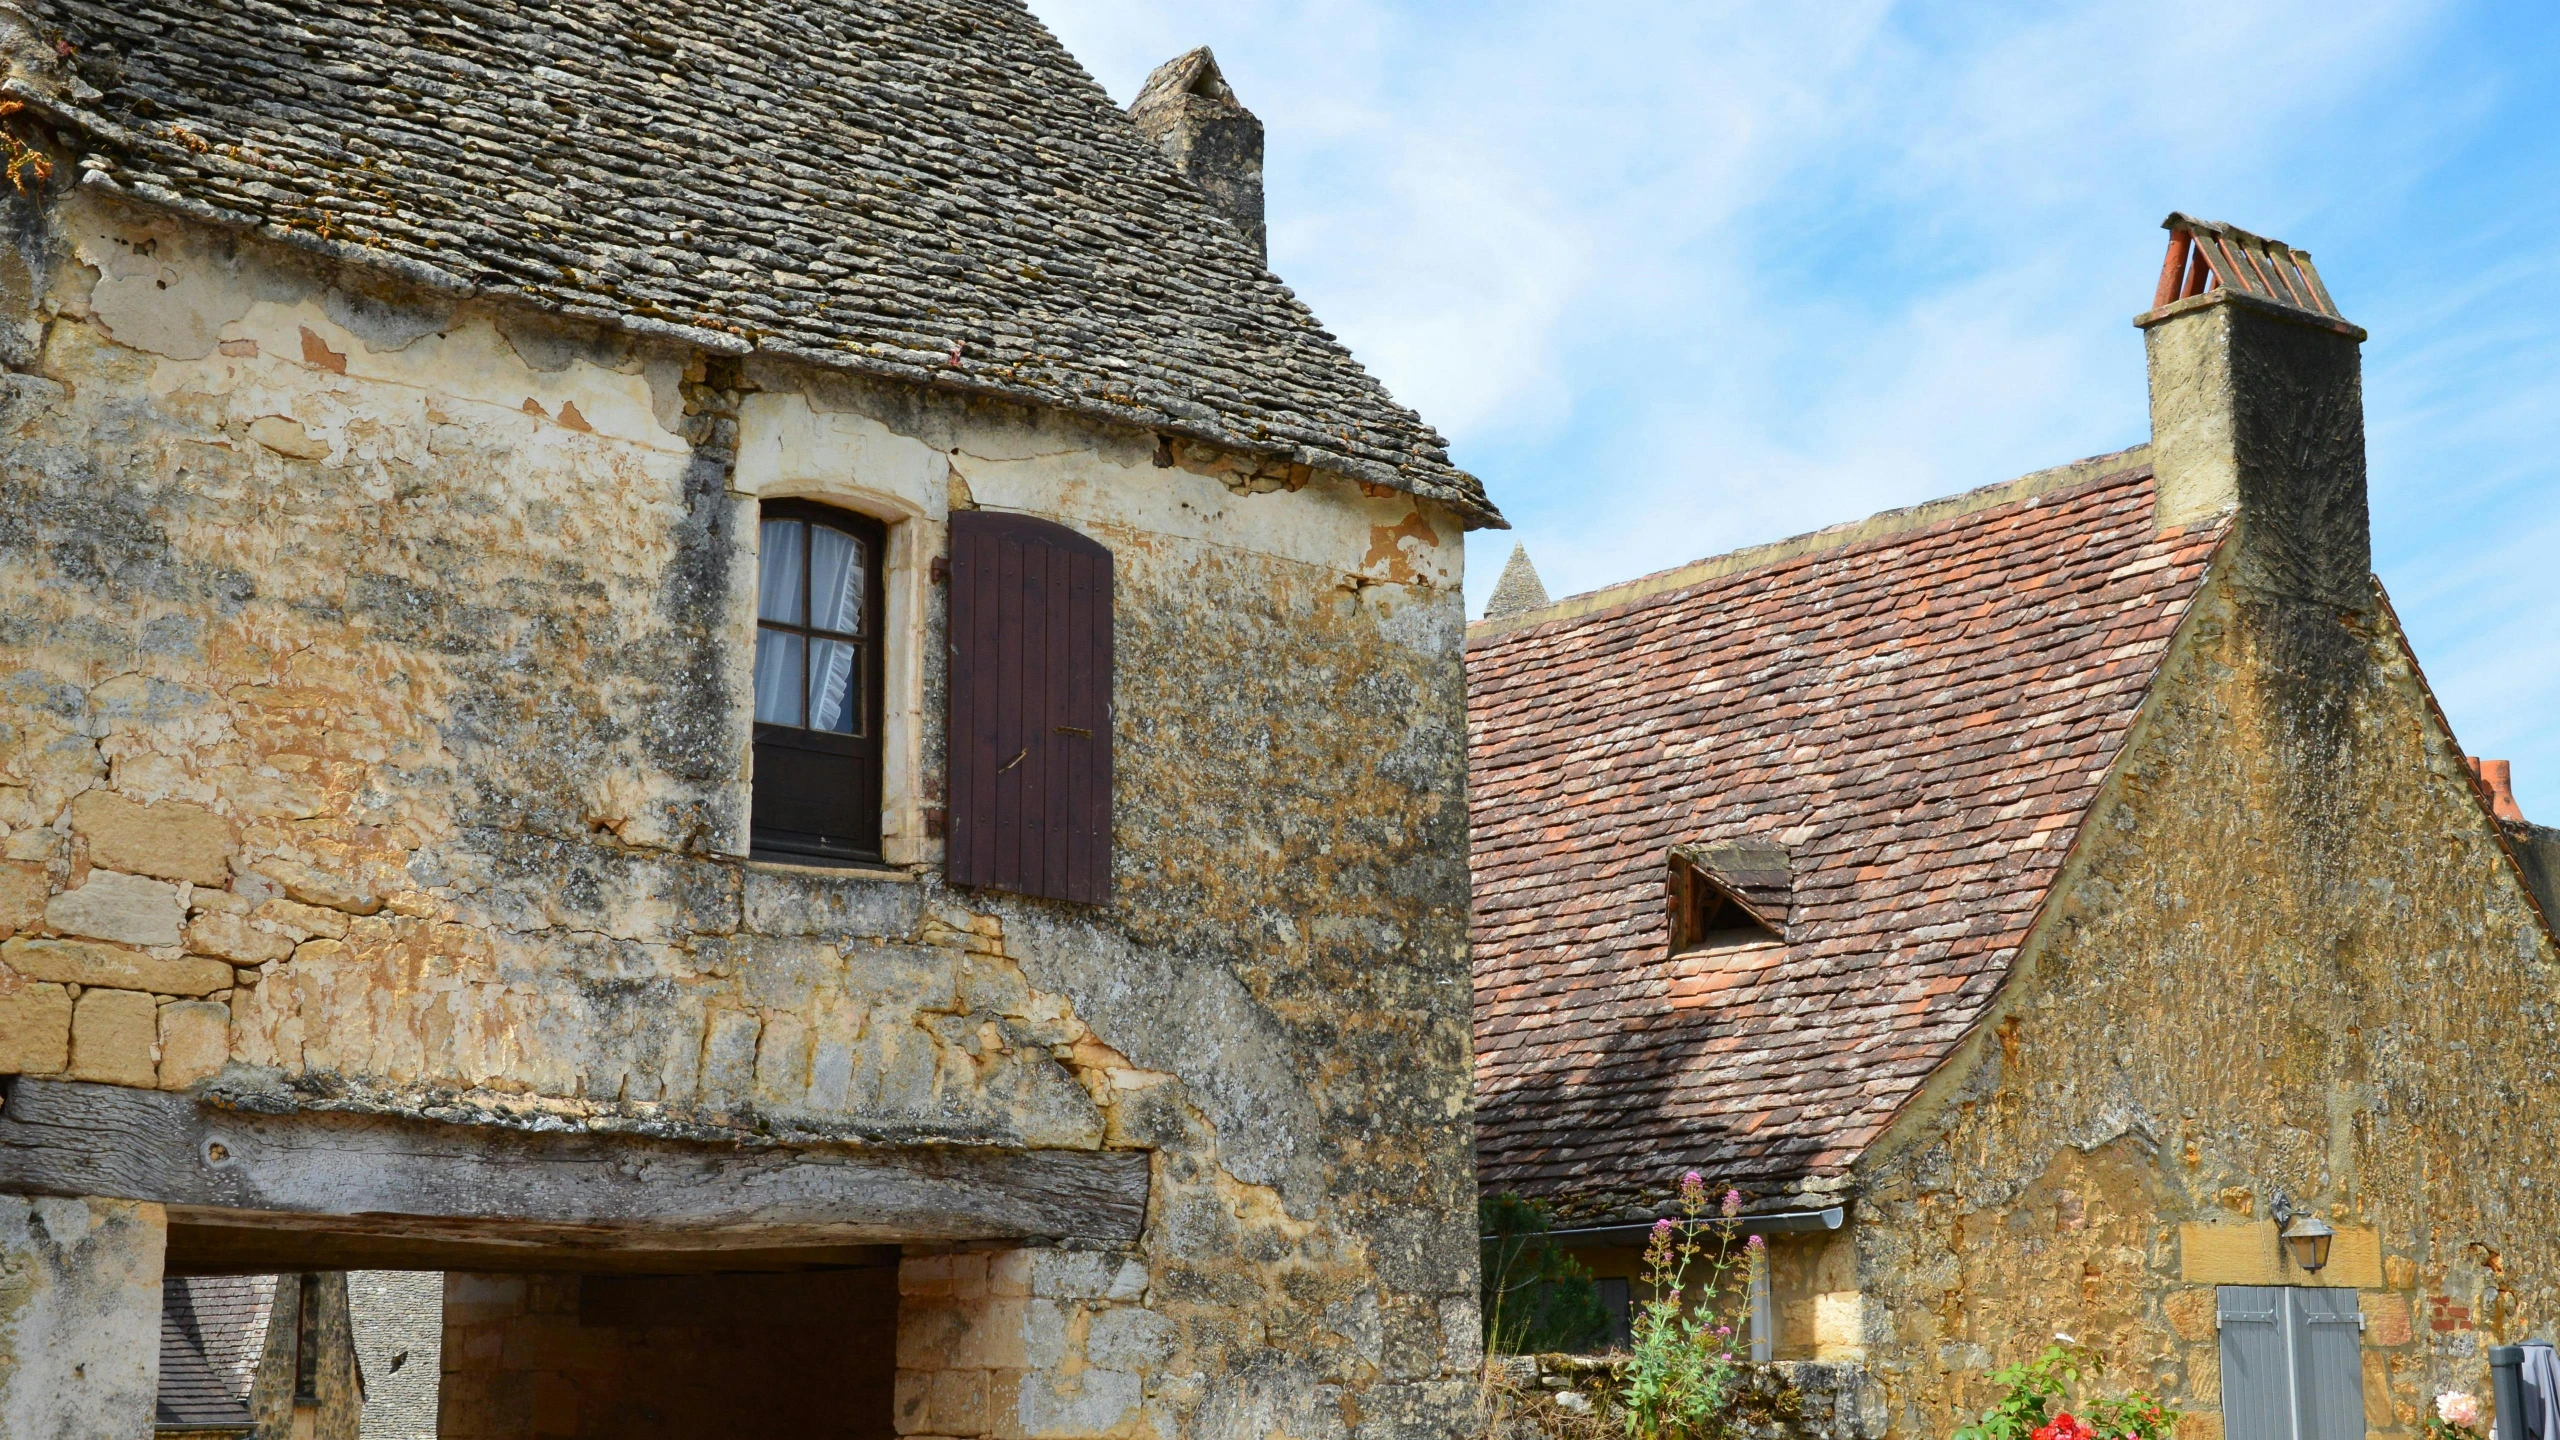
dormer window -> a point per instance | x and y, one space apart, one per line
1724 896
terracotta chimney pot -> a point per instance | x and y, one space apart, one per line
2497 777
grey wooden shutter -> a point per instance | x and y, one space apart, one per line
2292 1363
2257 1371
2328 1364
1028 732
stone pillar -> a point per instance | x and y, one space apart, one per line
79 1317
1025 1345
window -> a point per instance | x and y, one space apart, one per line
819 600
1617 1301
1705 916
2292 1363
306 1340
1028 732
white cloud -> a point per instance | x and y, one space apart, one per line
1676 277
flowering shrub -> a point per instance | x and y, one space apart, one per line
2457 1417
2065 1427
2031 1389
1680 1363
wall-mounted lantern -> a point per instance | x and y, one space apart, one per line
2305 1234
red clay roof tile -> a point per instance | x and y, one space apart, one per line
1920 719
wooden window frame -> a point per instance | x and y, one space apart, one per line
781 751
1704 916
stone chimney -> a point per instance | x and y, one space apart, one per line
1188 111
2257 407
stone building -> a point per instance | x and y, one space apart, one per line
735 673
2023 899
260 1357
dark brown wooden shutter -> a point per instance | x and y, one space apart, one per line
1028 736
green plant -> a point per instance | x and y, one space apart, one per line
1536 1297
1680 1365
2031 1388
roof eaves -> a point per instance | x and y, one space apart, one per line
1459 490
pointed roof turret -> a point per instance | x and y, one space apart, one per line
1519 588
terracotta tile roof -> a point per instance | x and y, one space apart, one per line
928 190
1919 711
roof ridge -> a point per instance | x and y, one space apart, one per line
1883 525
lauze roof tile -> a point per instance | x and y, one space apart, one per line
930 190
1919 718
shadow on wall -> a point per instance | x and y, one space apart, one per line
672 1357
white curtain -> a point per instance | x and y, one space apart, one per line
778 571
835 581
836 585
778 677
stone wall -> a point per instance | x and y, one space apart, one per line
374 734
1030 1342
1575 1397
398 1320
336 1406
2290 954
631 1357
79 1317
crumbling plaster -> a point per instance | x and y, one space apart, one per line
79 1316
442 614
2288 954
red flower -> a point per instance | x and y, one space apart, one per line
2065 1426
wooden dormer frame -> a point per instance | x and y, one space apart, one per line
1704 914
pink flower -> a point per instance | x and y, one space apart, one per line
2457 1407
1724 1329
1692 1178
1662 1229
1732 1203
1755 1242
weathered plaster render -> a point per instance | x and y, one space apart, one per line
427 627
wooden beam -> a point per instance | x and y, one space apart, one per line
242 1242
321 1172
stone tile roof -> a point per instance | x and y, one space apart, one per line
213 1332
1519 590
930 190
1918 710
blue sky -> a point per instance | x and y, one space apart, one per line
1677 277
